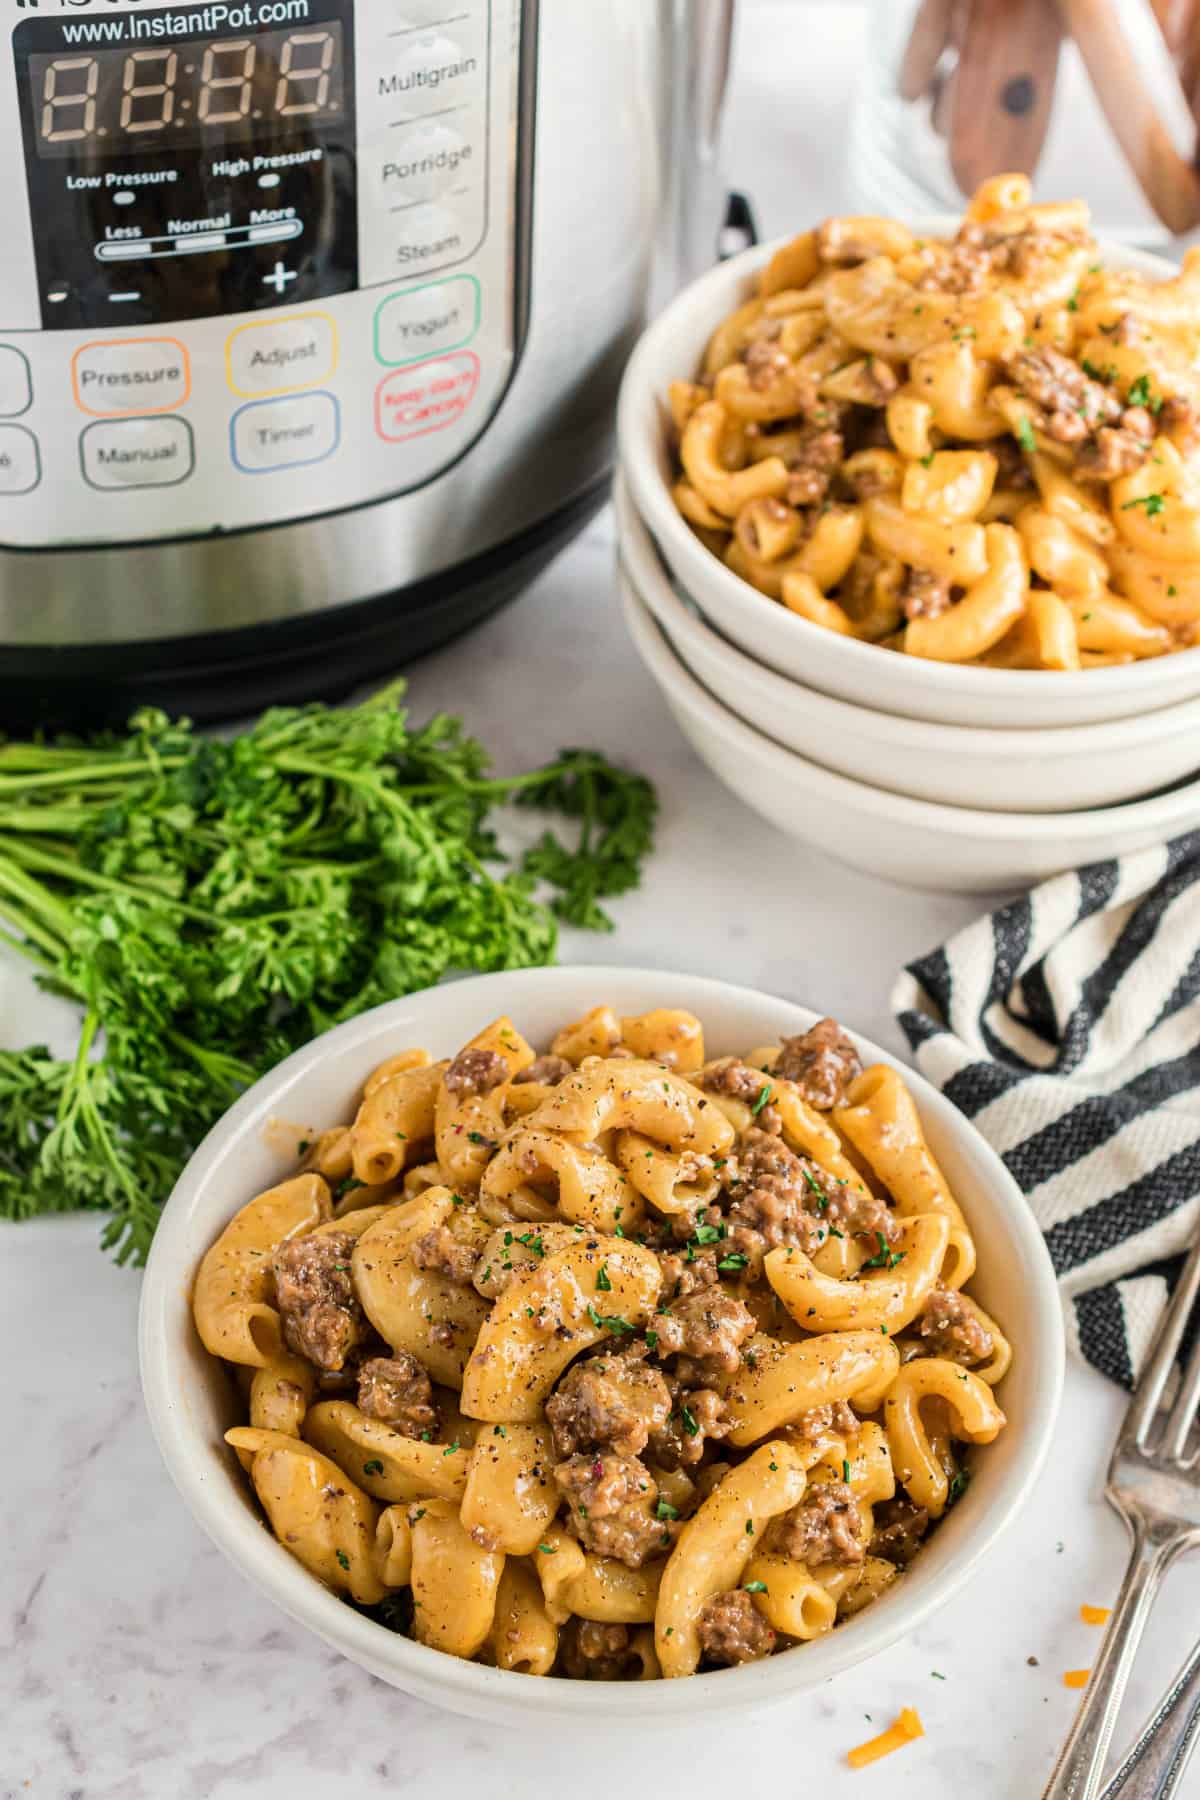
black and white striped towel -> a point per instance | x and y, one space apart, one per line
1067 1028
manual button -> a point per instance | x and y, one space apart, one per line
281 356
131 375
137 453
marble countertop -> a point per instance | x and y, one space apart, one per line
134 1663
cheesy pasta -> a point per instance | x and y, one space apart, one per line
633 1362
981 449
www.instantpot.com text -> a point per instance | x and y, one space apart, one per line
220 16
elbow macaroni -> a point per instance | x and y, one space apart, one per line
538 1436
1007 421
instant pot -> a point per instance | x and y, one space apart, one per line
312 315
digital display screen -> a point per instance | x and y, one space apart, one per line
157 97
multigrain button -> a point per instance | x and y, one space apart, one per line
281 356
20 460
131 375
16 383
285 434
426 320
430 70
137 453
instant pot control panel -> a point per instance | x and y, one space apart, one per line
262 258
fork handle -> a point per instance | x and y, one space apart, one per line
1156 1764
1079 1769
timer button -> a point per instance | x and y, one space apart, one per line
426 320
20 460
285 434
16 383
137 453
131 375
281 356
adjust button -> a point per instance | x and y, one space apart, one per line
16 383
281 356
20 460
425 320
131 375
137 453
285 434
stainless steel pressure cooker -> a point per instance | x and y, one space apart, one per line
312 314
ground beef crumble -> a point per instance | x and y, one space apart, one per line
549 1070
812 467
821 1062
614 1501
707 1328
589 1651
732 1630
397 1390
698 1416
950 1328
684 1275
900 1528
826 1527
609 1403
772 1200
475 1072
322 1319
925 595
834 1417
441 1253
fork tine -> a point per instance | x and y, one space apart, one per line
1183 1412
1149 1392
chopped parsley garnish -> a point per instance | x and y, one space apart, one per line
499 1431
302 1148
689 1421
937 1676
477 1137
343 1559
709 1234
1142 394
533 1242
1106 372
754 1587
652 1339
547 1549
885 1257
958 1486
451 1448
414 1518
374 1467
749 1527
927 461
603 1284
664 1510
731 1264
486 1276
845 1471
348 1186
816 1188
611 1322
1025 435
1073 302
427 1437
764 1094
1172 591
1153 503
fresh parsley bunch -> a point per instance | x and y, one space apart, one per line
213 905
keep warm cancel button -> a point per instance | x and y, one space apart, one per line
426 396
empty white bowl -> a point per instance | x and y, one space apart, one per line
849 670
1044 771
949 849
191 1401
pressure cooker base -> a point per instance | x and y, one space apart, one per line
234 674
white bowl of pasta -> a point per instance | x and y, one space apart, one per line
650 1466
916 843
825 583
1063 769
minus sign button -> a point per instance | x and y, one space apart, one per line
119 299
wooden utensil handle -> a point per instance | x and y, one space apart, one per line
1004 91
930 36
1168 182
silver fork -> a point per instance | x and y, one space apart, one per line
1154 1483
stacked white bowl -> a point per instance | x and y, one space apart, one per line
936 775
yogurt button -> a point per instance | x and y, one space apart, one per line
438 315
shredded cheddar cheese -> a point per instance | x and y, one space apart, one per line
1095 1615
1077 1678
907 1727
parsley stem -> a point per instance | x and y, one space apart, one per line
84 771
